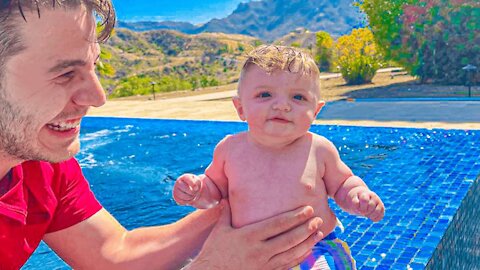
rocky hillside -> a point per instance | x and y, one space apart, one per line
272 19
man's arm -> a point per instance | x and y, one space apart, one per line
100 242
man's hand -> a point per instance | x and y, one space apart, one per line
280 242
366 203
187 189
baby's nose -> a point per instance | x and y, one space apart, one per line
282 105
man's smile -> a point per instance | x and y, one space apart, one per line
65 125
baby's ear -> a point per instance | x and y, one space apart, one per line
238 106
320 105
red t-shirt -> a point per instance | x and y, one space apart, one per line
42 198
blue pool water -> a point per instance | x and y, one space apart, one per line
422 176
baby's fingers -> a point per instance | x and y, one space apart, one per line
181 193
378 213
181 188
366 204
183 196
355 203
192 182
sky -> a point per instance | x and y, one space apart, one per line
193 11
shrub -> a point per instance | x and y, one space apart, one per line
357 57
324 51
432 39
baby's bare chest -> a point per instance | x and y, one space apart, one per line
254 174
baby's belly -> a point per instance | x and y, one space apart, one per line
247 209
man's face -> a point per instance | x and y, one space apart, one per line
49 86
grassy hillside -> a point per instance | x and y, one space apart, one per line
170 59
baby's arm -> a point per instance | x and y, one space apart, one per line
197 191
348 190
203 191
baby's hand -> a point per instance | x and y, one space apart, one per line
187 189
367 203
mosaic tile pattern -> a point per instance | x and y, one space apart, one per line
460 245
422 184
422 176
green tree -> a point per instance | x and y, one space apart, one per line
213 82
432 39
194 82
257 42
141 85
324 51
295 44
104 68
241 48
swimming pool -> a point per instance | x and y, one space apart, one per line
422 176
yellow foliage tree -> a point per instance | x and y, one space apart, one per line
357 57
324 48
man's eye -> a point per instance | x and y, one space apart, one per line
299 97
264 95
65 77
69 74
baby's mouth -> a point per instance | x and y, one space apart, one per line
279 120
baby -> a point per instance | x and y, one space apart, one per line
278 165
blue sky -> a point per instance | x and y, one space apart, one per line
194 11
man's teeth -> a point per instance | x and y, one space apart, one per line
62 126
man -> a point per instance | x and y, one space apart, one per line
48 53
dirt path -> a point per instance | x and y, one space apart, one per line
215 103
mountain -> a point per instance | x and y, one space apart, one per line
299 37
272 19
139 26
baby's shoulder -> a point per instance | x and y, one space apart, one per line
321 143
234 139
237 137
318 139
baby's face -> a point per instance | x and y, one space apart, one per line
281 104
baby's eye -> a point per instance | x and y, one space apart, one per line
264 95
299 97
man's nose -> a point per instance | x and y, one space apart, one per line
91 92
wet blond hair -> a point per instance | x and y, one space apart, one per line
271 58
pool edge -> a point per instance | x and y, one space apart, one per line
460 244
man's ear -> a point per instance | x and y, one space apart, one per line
320 105
238 106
